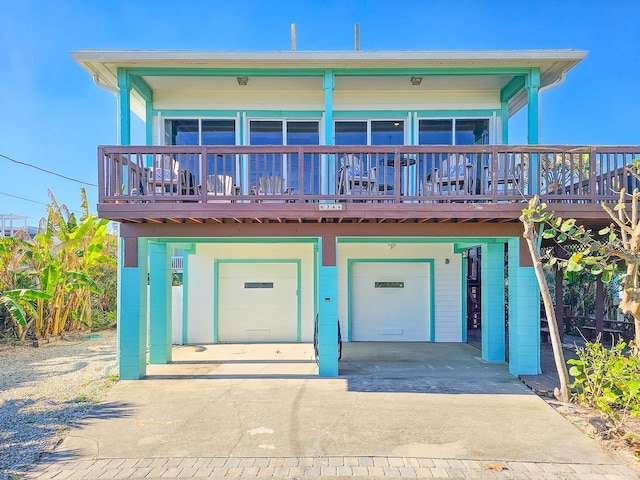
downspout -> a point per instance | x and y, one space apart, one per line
101 84
542 89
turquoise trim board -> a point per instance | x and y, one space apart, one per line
185 290
216 288
231 114
160 308
132 316
305 72
402 114
208 240
430 265
463 277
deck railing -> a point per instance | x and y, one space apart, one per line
390 174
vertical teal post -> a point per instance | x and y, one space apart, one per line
327 167
132 313
328 321
124 107
524 315
504 115
532 85
492 291
159 303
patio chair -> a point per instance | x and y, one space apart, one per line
272 186
354 178
455 175
508 178
219 185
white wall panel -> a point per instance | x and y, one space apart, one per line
240 100
412 101
201 287
447 280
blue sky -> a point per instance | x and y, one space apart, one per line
53 116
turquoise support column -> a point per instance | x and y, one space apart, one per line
328 321
132 313
328 167
492 291
159 303
524 315
504 115
124 107
532 85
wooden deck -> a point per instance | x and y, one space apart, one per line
355 184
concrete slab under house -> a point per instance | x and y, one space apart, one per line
374 189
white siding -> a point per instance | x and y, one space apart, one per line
239 100
176 315
258 314
201 283
399 313
412 101
447 280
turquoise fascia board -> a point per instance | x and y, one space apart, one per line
232 114
501 71
430 265
225 72
328 321
510 89
216 275
304 72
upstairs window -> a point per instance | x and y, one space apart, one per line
453 131
369 132
199 132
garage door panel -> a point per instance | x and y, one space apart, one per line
390 301
257 302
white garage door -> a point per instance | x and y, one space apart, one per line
390 301
257 302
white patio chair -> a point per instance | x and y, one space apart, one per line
455 175
219 185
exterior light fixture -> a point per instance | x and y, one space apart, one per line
242 80
415 81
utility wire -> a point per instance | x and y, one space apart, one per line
32 201
48 171
23 198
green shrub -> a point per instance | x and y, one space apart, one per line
607 379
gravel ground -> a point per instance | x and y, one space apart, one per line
47 390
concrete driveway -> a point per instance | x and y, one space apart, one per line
391 400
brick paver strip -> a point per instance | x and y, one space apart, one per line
320 467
